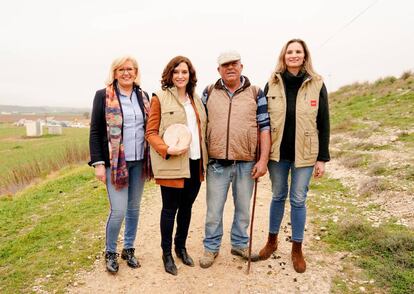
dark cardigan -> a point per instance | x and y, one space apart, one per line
98 137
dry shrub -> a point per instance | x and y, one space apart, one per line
337 153
343 126
25 173
336 139
373 185
378 168
405 75
362 134
353 160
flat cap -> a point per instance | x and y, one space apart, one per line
228 56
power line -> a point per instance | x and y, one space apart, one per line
348 23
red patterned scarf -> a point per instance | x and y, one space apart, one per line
114 123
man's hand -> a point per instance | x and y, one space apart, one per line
259 169
319 169
100 173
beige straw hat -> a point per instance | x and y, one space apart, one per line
178 135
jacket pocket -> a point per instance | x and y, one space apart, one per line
273 135
275 104
172 116
171 164
311 145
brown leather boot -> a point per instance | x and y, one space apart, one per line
269 248
299 263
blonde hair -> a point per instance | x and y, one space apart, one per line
117 63
307 64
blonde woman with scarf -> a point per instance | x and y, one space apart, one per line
120 154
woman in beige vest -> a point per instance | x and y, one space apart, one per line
299 118
178 170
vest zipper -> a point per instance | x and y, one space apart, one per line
228 119
301 86
228 129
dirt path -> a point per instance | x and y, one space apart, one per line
228 273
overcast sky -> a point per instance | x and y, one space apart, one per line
58 53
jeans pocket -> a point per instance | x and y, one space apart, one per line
215 167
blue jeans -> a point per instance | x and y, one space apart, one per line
219 178
124 204
299 186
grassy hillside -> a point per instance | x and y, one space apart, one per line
387 104
373 128
365 205
50 231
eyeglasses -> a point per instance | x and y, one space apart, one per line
129 70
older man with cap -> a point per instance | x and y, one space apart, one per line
237 118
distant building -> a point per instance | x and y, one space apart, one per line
34 129
54 130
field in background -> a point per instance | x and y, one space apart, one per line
23 159
12 118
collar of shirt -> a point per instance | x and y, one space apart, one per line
242 81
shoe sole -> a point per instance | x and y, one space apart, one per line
111 272
206 265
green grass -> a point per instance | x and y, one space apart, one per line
391 110
389 102
407 138
383 109
52 230
23 159
385 253
340 286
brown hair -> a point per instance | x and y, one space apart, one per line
307 64
167 74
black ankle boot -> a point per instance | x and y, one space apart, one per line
111 262
128 255
183 255
169 264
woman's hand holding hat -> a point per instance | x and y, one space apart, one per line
178 138
175 150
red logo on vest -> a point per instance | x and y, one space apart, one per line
313 102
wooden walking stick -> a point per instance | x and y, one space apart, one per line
251 226
249 260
